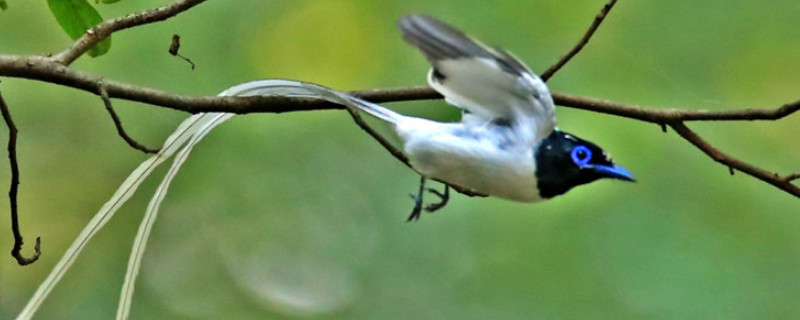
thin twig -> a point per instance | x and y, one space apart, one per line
118 123
399 155
106 28
584 40
378 137
12 192
718 156
792 177
665 116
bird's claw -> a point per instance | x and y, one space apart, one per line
443 198
417 211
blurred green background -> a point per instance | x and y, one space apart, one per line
302 215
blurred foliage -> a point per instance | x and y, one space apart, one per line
302 215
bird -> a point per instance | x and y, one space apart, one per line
506 144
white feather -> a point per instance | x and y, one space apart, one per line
488 92
107 211
140 242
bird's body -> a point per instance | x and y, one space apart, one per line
506 144
485 159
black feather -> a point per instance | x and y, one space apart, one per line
439 41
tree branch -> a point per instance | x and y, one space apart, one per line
12 192
399 155
783 183
378 137
665 116
584 40
105 29
43 69
118 124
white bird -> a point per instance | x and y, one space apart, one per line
506 145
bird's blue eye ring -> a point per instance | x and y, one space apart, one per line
581 155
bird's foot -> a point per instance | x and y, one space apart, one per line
417 211
443 198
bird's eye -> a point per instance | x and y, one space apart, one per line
581 155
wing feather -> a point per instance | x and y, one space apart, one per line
490 83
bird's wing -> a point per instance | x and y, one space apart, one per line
489 83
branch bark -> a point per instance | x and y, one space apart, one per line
105 29
783 183
118 124
547 74
42 69
47 70
16 252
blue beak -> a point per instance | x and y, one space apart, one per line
614 172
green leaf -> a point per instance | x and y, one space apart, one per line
106 1
77 16
3 5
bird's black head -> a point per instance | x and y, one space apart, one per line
564 161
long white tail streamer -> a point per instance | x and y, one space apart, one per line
140 243
263 87
195 128
123 193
